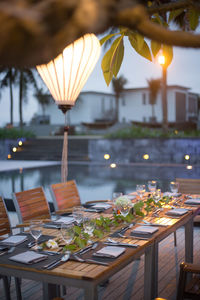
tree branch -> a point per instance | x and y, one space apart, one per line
34 32
162 8
137 19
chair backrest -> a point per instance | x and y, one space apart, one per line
65 195
189 186
4 220
31 204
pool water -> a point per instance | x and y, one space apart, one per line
94 181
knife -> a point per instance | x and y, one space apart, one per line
121 244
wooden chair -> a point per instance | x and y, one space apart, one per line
189 186
5 229
31 204
65 195
189 289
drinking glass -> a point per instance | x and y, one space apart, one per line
140 189
115 195
67 232
157 195
174 186
36 231
88 226
78 214
124 209
152 184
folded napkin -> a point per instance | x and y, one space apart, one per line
144 230
169 194
14 240
131 197
101 205
110 252
192 201
177 212
29 257
65 220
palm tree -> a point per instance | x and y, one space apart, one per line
25 77
43 98
8 81
154 87
118 88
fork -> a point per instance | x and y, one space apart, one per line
88 260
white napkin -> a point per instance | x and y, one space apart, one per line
14 240
65 220
29 257
193 201
110 252
101 205
145 229
177 212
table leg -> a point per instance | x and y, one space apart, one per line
189 241
151 272
91 293
50 291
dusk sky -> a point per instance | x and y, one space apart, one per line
184 70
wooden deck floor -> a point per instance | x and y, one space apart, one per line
128 283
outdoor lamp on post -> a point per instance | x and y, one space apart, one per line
66 75
162 61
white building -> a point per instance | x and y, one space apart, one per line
134 105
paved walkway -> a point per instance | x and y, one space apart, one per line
8 165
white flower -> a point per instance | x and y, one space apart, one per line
123 201
52 244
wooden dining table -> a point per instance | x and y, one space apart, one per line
88 276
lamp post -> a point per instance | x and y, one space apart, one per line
162 62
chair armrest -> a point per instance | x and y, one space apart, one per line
190 268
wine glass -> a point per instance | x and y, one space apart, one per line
78 214
67 232
157 195
36 231
152 184
140 189
124 208
88 226
115 195
174 186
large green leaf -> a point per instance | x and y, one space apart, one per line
140 41
168 53
193 18
112 60
144 51
174 13
107 37
155 47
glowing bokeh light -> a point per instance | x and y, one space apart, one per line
146 156
187 157
106 156
14 149
113 165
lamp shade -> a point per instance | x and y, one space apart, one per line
66 75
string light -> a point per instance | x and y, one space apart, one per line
106 156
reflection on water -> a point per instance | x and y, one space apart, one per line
94 181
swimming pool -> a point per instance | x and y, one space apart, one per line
95 181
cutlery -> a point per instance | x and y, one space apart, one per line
49 252
11 250
56 262
33 243
132 237
112 242
80 259
146 223
86 249
126 227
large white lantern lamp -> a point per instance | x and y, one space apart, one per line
66 75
